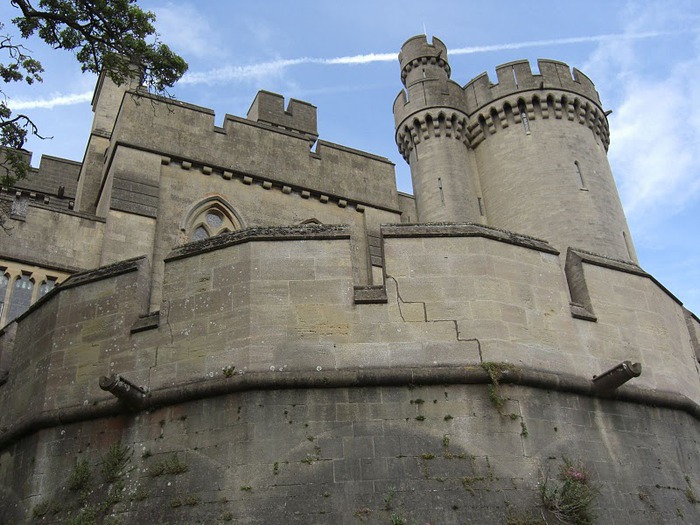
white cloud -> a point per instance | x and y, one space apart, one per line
656 134
655 127
187 31
50 103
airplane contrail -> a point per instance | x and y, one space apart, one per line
274 67
50 103
559 42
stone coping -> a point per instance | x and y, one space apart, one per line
315 232
450 229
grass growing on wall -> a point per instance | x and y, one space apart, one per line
570 497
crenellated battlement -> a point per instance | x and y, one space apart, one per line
328 169
515 77
300 116
417 52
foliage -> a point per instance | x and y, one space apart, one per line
80 477
690 493
495 372
114 461
111 36
397 519
171 465
570 498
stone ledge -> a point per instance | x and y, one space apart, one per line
146 322
450 229
371 294
280 233
388 376
104 272
622 266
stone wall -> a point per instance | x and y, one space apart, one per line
426 454
274 398
54 239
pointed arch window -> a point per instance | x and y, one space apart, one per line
4 281
209 217
21 297
47 286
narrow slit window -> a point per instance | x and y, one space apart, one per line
526 122
523 116
4 280
580 175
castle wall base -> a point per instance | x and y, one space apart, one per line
433 454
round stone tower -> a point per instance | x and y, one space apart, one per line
540 143
431 132
526 154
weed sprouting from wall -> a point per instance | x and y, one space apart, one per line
495 372
571 496
690 493
90 500
79 479
389 498
397 519
171 465
114 462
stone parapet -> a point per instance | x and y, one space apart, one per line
517 76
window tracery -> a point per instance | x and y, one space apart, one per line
211 216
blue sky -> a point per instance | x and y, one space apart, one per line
643 56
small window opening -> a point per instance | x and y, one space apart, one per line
523 116
200 233
48 285
214 219
580 175
4 280
21 297
526 123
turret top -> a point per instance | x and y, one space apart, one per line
417 52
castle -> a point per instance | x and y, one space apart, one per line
249 324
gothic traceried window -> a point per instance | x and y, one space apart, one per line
211 217
4 280
21 297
